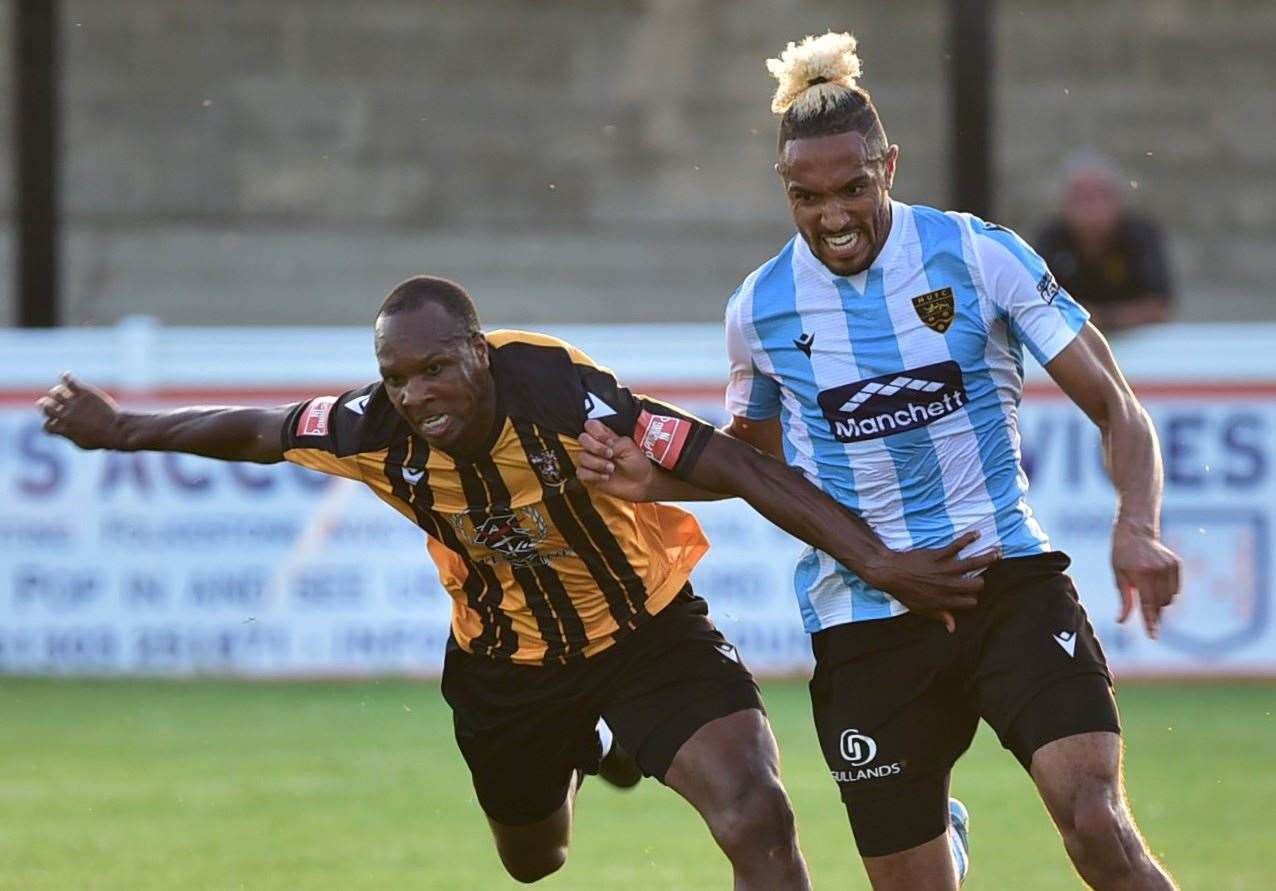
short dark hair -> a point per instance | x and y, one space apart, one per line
424 289
852 111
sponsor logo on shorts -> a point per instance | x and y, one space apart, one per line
893 403
860 750
314 418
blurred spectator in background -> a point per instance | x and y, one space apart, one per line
1107 257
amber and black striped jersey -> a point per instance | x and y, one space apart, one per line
540 568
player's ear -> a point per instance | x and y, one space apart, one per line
478 343
892 158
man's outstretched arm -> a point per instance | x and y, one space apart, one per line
929 581
89 418
1146 571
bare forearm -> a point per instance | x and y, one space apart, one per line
1133 459
787 499
665 486
232 434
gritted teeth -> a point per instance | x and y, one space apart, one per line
843 239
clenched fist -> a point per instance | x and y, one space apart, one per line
83 414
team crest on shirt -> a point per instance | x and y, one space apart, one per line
547 467
512 534
936 309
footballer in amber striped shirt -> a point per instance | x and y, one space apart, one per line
573 622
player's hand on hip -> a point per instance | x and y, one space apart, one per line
613 464
1147 572
935 582
83 414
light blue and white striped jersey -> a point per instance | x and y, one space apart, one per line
898 388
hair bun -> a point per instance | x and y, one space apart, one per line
814 72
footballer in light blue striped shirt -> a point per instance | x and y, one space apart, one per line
881 353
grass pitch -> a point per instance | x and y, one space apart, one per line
191 785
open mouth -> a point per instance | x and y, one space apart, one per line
843 241
433 424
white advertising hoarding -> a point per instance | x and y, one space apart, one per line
151 563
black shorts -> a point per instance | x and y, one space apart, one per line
523 729
897 701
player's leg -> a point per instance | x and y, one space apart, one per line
532 851
1043 684
729 770
527 736
682 702
892 719
1080 781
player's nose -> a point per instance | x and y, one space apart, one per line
417 393
833 217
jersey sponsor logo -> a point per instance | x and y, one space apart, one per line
358 406
662 437
804 343
893 403
596 407
936 309
512 534
547 467
1067 640
1047 287
314 417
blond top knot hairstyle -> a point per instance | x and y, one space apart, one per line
817 94
814 74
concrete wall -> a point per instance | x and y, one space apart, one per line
290 161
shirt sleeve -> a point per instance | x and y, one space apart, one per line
668 436
751 393
320 433
1025 292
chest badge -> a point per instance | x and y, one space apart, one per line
547 467
936 309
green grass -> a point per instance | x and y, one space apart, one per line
170 785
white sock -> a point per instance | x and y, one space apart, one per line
605 736
959 855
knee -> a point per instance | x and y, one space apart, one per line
1099 834
757 818
529 868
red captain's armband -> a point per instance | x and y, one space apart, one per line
314 417
662 437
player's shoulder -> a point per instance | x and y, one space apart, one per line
539 378
356 422
531 349
773 277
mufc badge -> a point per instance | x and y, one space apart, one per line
936 309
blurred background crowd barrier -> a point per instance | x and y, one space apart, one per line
255 176
149 563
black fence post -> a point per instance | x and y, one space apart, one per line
970 105
36 110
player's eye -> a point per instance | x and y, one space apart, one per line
433 369
392 380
